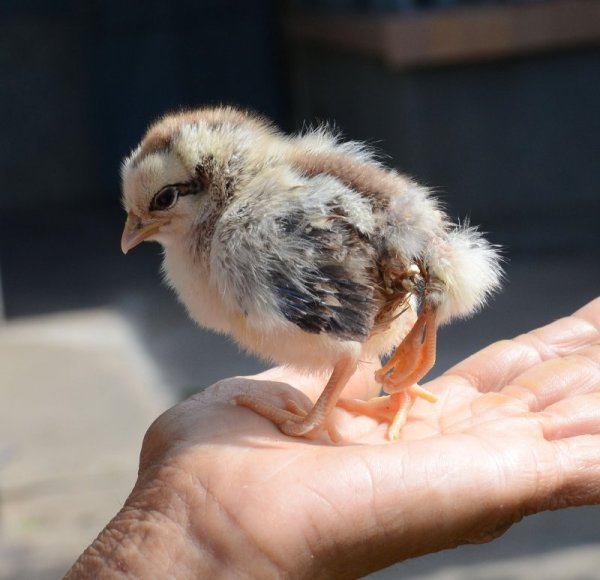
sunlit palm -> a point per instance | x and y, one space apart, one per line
515 431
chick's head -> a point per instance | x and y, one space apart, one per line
186 169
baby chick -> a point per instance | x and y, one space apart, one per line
307 251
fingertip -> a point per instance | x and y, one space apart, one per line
591 312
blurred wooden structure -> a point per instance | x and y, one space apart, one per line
452 35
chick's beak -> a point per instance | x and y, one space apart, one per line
136 231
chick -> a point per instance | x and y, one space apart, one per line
306 250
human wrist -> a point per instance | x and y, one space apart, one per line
171 526
142 543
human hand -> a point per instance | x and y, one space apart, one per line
221 492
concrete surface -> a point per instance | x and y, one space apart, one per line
77 396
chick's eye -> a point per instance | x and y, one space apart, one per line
164 199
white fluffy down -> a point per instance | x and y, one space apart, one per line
470 268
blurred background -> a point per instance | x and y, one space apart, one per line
494 104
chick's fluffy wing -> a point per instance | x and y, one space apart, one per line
301 256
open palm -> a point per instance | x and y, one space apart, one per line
516 430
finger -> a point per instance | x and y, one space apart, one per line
563 336
572 417
498 364
493 367
534 389
556 379
591 312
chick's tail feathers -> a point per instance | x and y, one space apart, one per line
468 268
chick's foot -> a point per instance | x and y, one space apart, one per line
295 421
414 356
410 363
392 409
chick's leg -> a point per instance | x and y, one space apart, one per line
411 361
292 421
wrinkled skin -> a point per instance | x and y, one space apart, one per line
221 492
